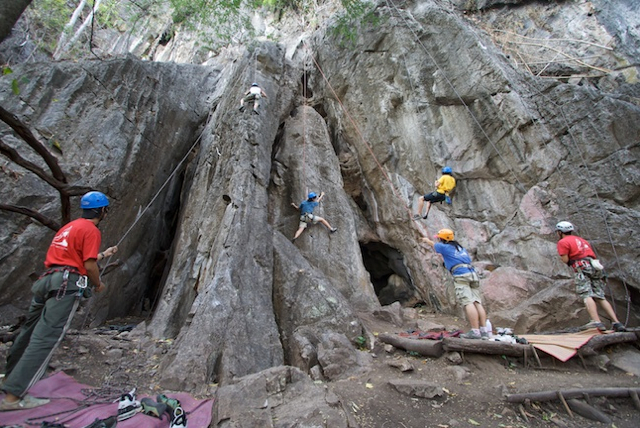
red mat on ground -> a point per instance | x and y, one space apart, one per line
63 391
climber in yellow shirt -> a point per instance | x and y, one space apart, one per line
444 185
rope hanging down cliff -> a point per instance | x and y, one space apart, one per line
572 138
369 148
520 186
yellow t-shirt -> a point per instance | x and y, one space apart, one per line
446 183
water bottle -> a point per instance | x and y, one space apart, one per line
489 328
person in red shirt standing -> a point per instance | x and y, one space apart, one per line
71 260
577 253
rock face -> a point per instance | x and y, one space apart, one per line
371 125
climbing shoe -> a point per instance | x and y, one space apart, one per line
150 407
255 111
179 419
424 217
27 402
128 406
171 403
416 216
109 422
47 424
618 327
471 335
335 229
241 109
594 324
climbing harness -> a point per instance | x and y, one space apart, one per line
461 265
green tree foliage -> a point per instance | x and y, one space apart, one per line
214 22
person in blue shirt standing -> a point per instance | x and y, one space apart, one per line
306 214
465 280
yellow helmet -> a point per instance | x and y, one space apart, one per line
445 234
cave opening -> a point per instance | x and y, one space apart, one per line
389 275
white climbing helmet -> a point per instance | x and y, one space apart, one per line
564 227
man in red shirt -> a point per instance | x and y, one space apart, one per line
577 253
71 260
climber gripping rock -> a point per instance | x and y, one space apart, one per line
306 208
254 94
444 185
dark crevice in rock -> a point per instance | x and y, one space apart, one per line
389 275
306 90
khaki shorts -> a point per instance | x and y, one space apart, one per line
467 287
308 218
589 283
252 97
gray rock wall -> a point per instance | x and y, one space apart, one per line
426 90
427 87
123 126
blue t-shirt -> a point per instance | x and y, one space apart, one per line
453 256
307 206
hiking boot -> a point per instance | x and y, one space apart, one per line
150 407
241 109
27 402
484 335
179 419
335 229
109 422
471 335
618 327
594 324
128 406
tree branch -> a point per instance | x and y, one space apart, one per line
46 221
26 134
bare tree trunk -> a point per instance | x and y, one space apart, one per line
9 14
68 28
61 50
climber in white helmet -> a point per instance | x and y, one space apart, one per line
254 94
589 275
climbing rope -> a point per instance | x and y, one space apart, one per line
572 138
590 182
444 75
421 228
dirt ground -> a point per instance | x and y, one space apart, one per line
473 390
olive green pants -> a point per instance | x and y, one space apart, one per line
48 319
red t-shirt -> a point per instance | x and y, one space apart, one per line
75 243
575 247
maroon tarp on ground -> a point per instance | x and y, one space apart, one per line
63 390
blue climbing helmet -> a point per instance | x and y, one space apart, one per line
312 195
254 84
93 200
447 170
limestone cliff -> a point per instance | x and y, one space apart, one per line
369 123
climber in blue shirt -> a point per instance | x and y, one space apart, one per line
306 208
465 281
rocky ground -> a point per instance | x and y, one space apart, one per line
473 385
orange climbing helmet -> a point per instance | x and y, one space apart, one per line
445 234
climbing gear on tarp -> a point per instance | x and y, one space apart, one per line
152 408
